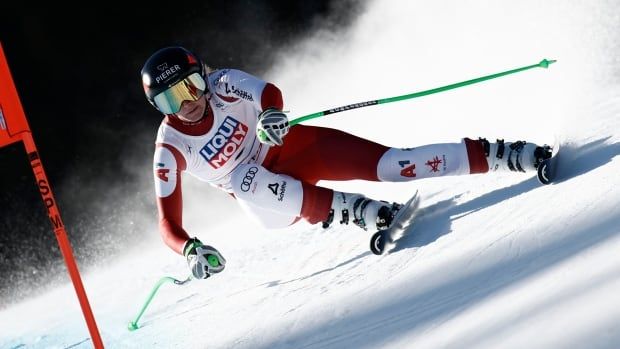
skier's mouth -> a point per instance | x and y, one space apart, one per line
193 110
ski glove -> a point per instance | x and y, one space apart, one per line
202 260
272 126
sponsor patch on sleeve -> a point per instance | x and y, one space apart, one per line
165 172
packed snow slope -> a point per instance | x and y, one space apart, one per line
494 261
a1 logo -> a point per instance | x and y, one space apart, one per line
407 171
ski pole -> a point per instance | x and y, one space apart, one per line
543 64
133 325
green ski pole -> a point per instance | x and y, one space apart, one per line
543 64
133 325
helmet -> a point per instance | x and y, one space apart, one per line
171 76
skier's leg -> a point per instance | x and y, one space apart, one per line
277 200
266 218
313 153
316 153
434 160
468 157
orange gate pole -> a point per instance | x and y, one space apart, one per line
14 127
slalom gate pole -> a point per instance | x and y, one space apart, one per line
14 128
542 64
133 325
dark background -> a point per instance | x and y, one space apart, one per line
77 72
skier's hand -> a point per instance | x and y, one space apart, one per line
202 260
272 126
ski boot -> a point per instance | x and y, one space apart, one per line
518 156
361 211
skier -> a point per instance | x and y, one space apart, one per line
227 128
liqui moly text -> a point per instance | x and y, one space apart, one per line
225 143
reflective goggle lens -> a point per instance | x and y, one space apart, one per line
189 89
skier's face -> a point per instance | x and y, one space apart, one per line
190 88
192 111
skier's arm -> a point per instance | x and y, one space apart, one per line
232 85
203 260
167 166
271 97
272 123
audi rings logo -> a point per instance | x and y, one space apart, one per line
248 178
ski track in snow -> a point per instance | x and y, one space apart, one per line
492 261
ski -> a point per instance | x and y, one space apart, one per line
547 170
381 241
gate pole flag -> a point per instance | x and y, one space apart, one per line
14 128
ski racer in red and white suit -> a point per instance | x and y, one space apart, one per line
214 138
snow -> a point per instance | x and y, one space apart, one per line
493 261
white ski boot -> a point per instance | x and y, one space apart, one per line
517 156
362 211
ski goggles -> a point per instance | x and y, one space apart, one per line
189 89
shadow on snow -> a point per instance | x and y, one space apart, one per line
369 326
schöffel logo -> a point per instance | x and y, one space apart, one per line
225 143
239 92
275 187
